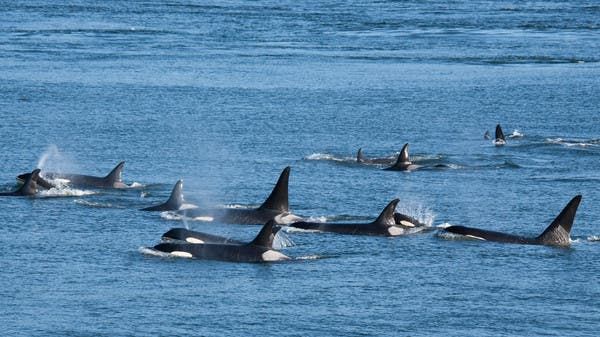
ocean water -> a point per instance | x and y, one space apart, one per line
225 94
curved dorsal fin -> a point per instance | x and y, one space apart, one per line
499 133
115 175
559 231
176 199
403 158
30 185
359 156
266 235
278 199
487 135
386 218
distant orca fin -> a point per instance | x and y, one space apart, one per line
266 235
386 218
359 156
30 185
115 175
278 199
499 133
403 158
487 135
176 199
559 231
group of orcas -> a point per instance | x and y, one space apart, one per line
274 213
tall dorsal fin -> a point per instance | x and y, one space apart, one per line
30 185
359 156
499 133
266 235
403 158
176 199
386 218
115 175
278 199
559 231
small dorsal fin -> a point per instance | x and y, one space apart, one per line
115 175
176 199
386 218
266 235
278 199
559 231
487 135
499 133
30 185
359 156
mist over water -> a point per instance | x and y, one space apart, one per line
226 95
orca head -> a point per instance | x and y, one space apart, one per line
499 134
30 185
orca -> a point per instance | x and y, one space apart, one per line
557 234
487 135
403 162
407 221
183 234
29 188
360 158
384 225
41 182
112 180
500 139
258 250
276 207
174 202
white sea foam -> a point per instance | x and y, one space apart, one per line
516 134
289 229
135 184
188 206
65 192
309 257
95 204
326 156
593 238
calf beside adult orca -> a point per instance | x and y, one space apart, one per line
28 188
557 234
258 250
112 180
384 225
174 202
276 207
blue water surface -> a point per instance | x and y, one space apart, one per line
225 94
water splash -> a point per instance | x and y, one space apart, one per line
418 211
65 192
54 160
